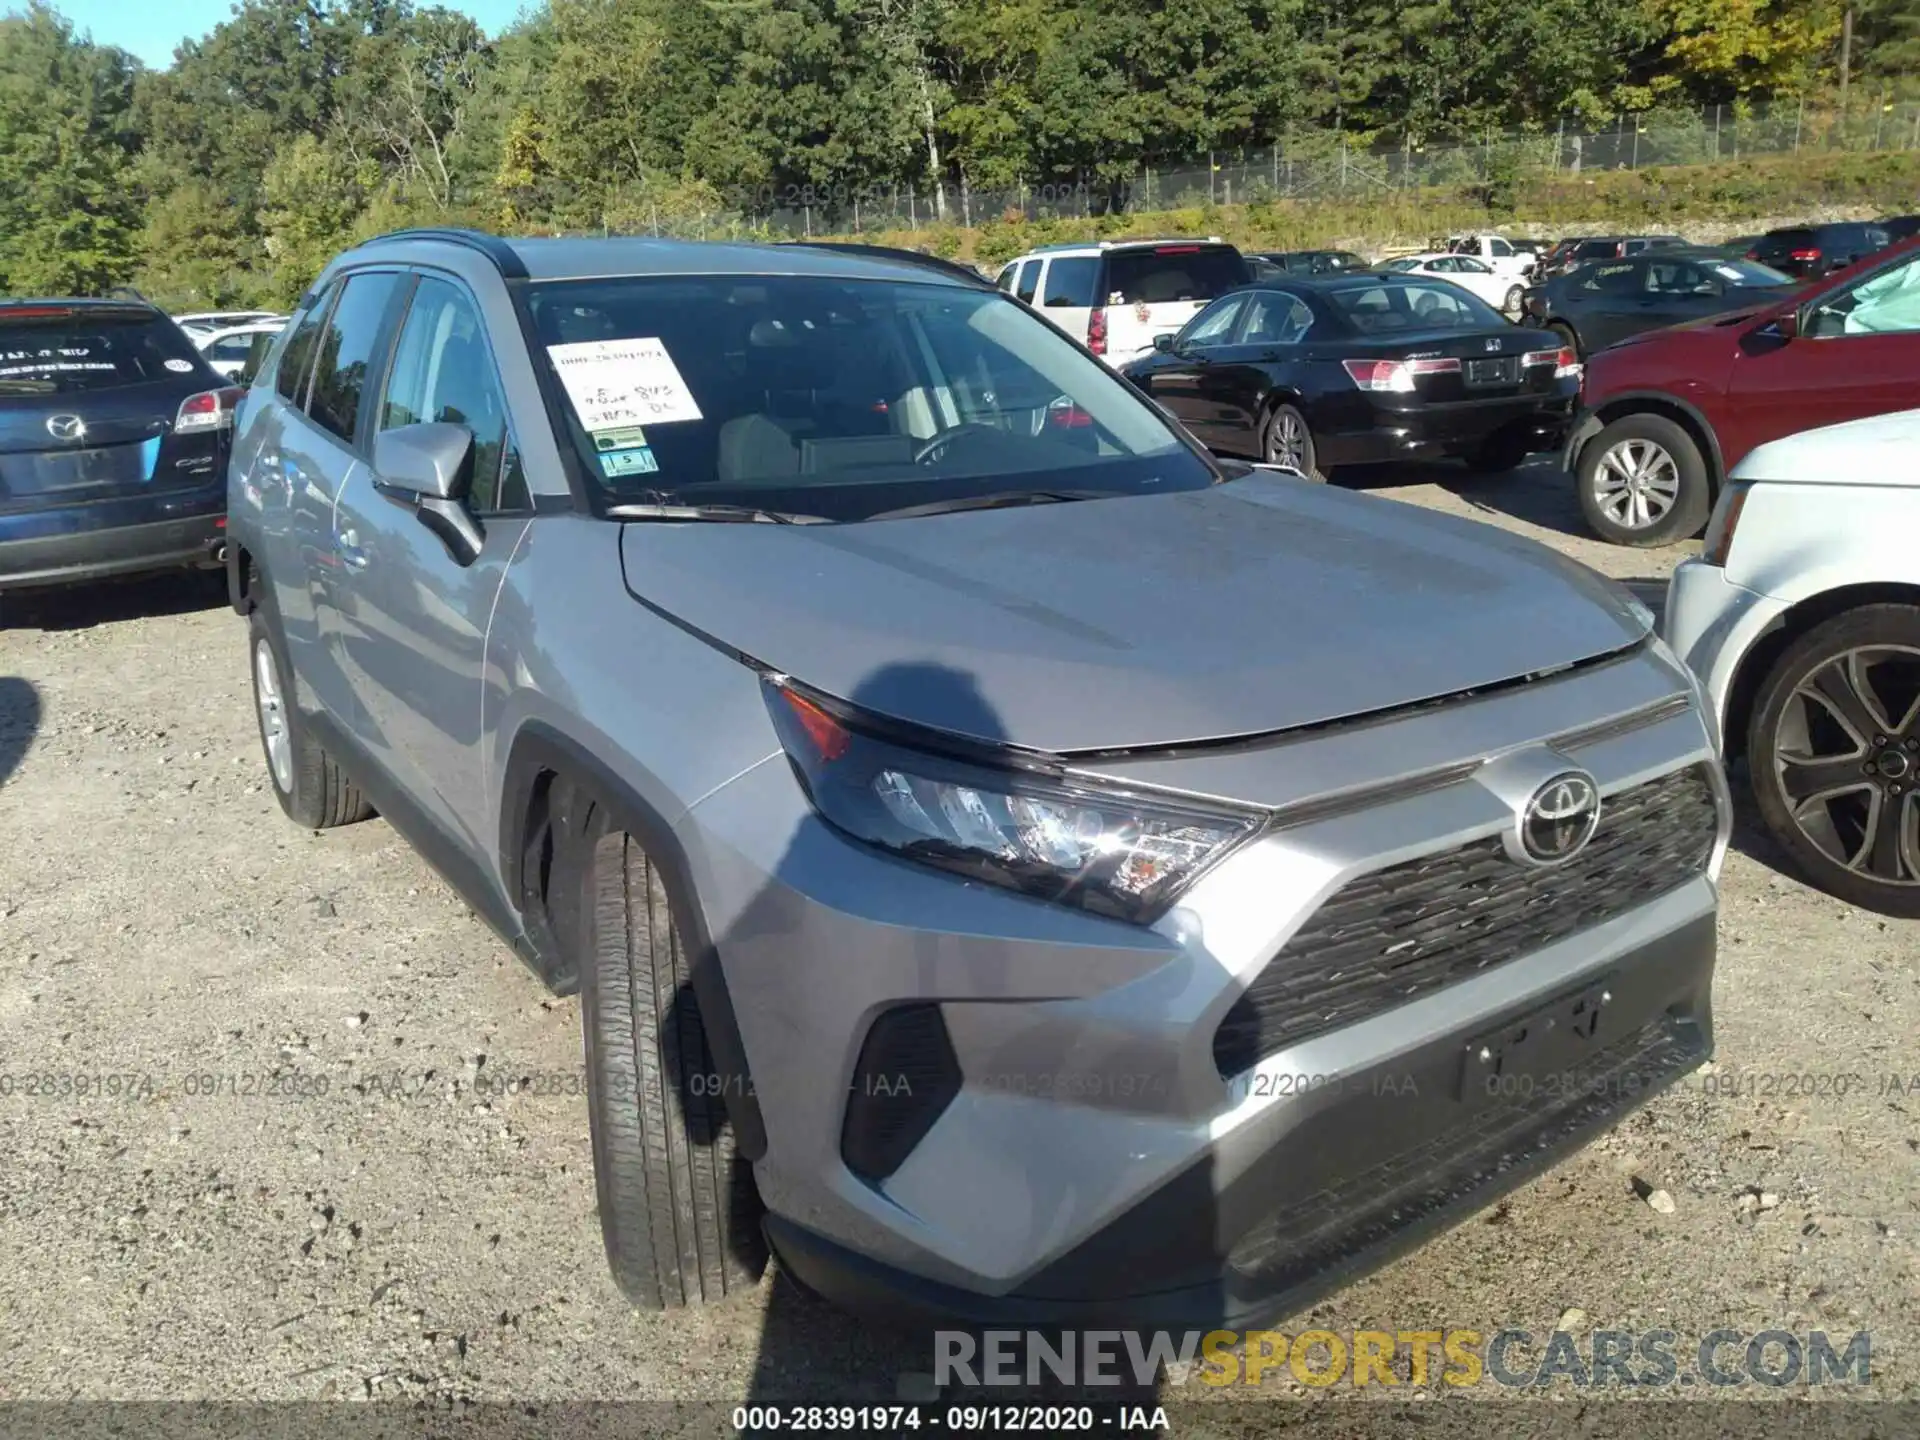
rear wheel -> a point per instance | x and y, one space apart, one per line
678 1209
1566 335
1501 453
1516 301
1834 751
1643 481
309 784
1287 440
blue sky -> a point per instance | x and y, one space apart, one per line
151 28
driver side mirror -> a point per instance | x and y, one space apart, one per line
1164 343
1787 325
429 467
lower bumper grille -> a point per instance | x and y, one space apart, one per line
1461 1166
1399 933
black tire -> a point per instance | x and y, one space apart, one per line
1684 469
1814 748
1568 337
312 788
1500 454
678 1209
1274 447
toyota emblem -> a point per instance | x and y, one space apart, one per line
1559 819
66 427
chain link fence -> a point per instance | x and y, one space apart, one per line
1324 164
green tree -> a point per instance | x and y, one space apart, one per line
314 193
67 214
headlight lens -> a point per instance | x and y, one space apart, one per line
1126 854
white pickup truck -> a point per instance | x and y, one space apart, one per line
1496 252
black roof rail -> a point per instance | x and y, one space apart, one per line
504 257
126 292
893 252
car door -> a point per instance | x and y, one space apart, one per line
1184 385
1857 353
304 467
1603 301
1265 343
412 640
1669 291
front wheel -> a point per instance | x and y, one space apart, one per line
678 1208
1643 481
1287 440
1834 751
1516 300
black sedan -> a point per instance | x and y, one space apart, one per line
1358 369
1601 304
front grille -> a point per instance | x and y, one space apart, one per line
1398 933
1461 1167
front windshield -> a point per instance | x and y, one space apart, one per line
840 398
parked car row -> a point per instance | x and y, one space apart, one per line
1668 414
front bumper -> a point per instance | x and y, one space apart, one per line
112 539
1585 426
1361 1170
1095 1158
1712 624
1458 428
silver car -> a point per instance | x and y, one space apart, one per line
1017 865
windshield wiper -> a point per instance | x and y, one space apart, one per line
995 501
735 514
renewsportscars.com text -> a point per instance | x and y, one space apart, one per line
1514 1358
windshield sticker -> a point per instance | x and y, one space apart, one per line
636 461
626 438
180 367
617 383
1727 272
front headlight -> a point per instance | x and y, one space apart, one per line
1124 853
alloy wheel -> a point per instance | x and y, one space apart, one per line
1636 484
1847 757
1287 441
273 716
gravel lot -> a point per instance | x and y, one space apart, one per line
402 1235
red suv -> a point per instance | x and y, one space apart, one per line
1667 414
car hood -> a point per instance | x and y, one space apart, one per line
1259 605
1880 450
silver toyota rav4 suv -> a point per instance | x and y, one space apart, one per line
1017 866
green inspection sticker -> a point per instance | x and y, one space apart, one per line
630 438
635 461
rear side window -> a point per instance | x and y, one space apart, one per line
346 350
60 350
1071 282
1173 273
1597 250
1029 278
297 359
1005 282
1610 279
